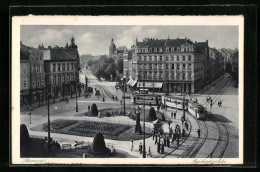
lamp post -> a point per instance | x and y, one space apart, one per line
144 153
49 134
76 98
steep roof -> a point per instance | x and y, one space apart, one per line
61 55
24 55
163 42
201 44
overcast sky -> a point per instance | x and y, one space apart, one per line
95 40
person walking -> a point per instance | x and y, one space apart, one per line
164 140
156 139
150 104
168 142
149 152
158 147
162 150
116 98
174 115
88 108
131 145
198 133
140 148
170 132
211 101
210 105
173 138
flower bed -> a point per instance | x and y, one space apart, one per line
104 128
62 124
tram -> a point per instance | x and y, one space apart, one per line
152 99
174 102
197 110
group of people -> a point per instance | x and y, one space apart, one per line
114 98
173 114
53 143
209 99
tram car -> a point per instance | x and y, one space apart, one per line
175 102
197 110
152 99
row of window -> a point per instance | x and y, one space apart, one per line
37 56
167 49
38 69
159 75
167 66
167 58
63 66
39 82
62 78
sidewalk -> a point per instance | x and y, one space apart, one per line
121 145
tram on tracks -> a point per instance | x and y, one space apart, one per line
174 102
194 108
152 99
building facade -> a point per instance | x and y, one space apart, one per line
61 65
174 64
32 70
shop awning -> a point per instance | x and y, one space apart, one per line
151 84
132 82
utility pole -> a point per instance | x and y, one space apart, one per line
49 132
144 153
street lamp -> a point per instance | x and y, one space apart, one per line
49 125
76 98
144 154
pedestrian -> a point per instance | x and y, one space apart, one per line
198 133
140 148
169 123
112 150
170 132
158 147
174 115
158 108
131 145
220 103
168 142
164 140
116 98
103 99
210 105
88 108
173 138
183 132
150 104
156 139
120 101
149 152
211 101
196 100
162 151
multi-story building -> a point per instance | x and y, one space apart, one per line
24 77
61 65
175 64
35 70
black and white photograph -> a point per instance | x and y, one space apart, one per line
148 89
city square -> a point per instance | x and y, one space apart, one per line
158 98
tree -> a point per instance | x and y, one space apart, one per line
99 145
24 134
120 66
90 63
152 114
94 109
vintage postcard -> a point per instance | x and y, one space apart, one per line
136 90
